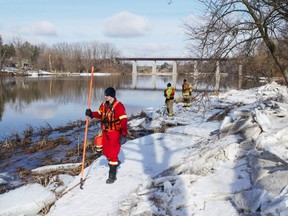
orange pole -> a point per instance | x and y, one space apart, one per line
86 128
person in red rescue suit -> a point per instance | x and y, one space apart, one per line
186 93
169 101
114 129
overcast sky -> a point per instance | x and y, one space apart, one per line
137 28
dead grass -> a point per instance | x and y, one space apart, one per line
47 146
28 131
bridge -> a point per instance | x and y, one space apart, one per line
174 69
174 60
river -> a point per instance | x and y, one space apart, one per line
58 100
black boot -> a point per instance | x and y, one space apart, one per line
112 174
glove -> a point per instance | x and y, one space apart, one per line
88 112
123 139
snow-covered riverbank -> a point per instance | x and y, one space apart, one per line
233 164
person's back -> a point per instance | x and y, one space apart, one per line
169 101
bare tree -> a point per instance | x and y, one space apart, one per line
232 28
60 57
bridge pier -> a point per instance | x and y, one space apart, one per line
196 74
240 77
174 70
134 67
154 80
154 68
217 76
134 81
174 80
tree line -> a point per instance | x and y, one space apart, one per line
60 57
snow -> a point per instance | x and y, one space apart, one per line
50 168
233 166
26 200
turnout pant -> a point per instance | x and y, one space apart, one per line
169 104
111 146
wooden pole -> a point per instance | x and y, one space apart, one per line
86 129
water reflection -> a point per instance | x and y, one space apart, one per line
58 100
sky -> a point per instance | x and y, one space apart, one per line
227 167
136 28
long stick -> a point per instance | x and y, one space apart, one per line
86 129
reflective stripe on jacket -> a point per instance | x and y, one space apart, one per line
169 93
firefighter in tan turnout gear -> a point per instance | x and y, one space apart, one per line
186 93
169 101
